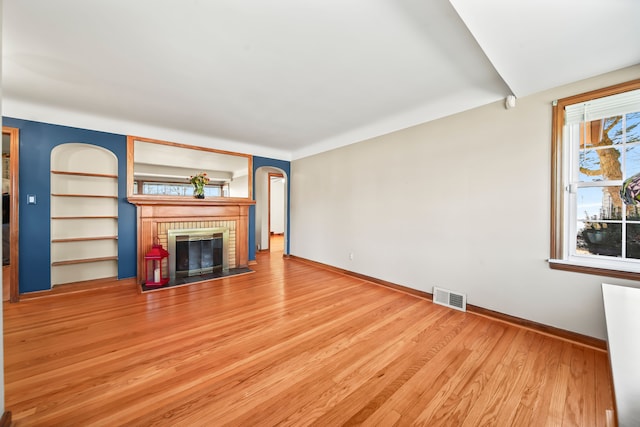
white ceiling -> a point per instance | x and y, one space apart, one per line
290 78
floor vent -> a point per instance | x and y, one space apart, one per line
449 299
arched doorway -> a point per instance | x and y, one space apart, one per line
271 188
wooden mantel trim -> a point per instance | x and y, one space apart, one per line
189 201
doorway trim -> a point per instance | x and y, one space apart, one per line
14 164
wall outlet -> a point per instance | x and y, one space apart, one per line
350 256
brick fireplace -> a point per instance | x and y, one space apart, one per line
156 216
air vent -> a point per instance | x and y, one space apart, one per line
449 298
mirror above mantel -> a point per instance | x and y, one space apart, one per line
161 170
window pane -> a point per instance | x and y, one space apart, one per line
633 241
612 130
593 236
166 189
597 203
633 127
597 238
632 161
600 165
633 212
212 191
589 166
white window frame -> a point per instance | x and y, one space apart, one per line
563 203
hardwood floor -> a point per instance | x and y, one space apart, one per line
290 344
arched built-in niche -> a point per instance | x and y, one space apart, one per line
262 177
84 213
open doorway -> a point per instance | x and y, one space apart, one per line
10 202
271 209
276 212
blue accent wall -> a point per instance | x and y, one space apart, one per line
36 142
285 165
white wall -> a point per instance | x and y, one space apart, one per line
462 202
262 207
238 186
277 206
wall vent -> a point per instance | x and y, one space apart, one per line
450 299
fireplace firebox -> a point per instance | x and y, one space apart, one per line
198 251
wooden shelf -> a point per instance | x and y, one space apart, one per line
86 217
83 239
85 195
97 175
83 261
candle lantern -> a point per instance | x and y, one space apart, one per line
153 266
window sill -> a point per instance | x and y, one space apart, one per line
593 268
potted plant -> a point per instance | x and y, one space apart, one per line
199 181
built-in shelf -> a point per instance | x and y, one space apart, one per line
84 260
84 239
99 196
97 175
86 217
84 213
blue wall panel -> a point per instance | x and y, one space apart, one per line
36 142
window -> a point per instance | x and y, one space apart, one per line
596 147
178 189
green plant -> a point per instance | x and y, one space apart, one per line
199 181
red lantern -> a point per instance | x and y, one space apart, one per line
153 266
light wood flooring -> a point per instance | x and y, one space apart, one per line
290 344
